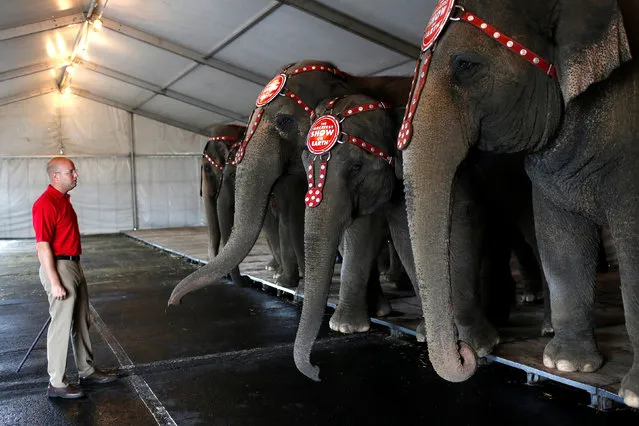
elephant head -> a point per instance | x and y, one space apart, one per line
350 175
271 148
214 158
493 76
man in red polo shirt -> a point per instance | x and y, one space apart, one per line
58 247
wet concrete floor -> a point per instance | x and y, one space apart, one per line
224 357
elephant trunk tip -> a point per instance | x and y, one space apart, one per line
464 367
305 367
174 301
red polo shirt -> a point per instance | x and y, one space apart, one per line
55 222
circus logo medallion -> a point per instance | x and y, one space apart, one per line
323 135
437 22
271 90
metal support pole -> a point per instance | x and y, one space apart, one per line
33 344
134 194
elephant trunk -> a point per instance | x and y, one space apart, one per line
255 176
210 207
430 165
322 233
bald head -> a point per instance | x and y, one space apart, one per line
57 164
62 174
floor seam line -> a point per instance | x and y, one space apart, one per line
144 391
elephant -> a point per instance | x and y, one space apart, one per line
563 93
358 179
217 188
270 155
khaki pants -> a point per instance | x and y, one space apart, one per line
69 314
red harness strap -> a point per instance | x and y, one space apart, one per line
443 13
314 194
218 138
277 86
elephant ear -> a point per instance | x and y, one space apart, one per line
591 41
221 151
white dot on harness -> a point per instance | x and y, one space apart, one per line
510 43
484 26
522 52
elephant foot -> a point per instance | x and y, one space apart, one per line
242 281
420 332
546 328
286 281
530 297
348 319
379 306
272 265
578 353
629 390
480 335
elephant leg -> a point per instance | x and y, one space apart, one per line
361 244
623 228
568 246
383 260
226 210
288 199
396 272
271 231
466 236
530 266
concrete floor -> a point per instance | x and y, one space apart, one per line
224 357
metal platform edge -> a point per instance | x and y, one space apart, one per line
600 398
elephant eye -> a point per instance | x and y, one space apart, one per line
285 122
355 168
465 67
207 168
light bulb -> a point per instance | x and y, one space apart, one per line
97 25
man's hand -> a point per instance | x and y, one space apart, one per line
58 291
45 255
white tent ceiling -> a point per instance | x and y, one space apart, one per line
196 63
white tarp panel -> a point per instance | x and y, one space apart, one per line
168 191
113 50
405 19
18 12
29 128
27 83
110 88
38 47
167 175
91 128
153 138
261 48
199 25
182 112
21 183
219 88
97 138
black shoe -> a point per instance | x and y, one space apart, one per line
67 392
98 377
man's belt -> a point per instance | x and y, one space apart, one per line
65 257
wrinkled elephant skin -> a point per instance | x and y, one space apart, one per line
580 134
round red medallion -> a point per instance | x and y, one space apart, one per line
322 135
437 22
271 90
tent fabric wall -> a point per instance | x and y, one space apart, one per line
98 139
